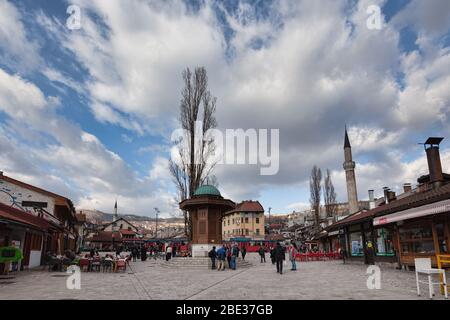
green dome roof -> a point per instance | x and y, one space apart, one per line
207 190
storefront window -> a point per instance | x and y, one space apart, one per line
384 243
417 240
356 244
440 230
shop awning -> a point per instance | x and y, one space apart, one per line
422 211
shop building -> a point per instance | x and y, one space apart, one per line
40 205
404 227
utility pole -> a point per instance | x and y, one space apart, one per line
156 230
270 209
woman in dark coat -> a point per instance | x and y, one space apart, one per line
134 253
244 252
229 256
143 253
272 255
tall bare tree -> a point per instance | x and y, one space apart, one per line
315 188
329 195
197 116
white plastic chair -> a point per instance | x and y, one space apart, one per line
423 265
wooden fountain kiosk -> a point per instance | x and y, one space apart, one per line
206 209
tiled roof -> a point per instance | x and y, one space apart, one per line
248 206
412 201
123 219
127 232
275 237
106 236
19 216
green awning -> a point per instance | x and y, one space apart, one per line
10 254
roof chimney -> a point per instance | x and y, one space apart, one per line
1 173
386 195
392 196
434 161
407 187
371 199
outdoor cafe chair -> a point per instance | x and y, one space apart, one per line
423 266
54 263
121 265
107 265
96 265
84 264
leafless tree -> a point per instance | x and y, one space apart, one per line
194 166
315 187
329 195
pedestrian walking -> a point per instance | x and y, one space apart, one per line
279 253
272 255
174 251
292 256
134 253
213 255
228 253
234 255
118 251
343 254
221 255
143 253
168 252
262 254
244 252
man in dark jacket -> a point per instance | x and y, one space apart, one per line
279 257
213 255
262 253
134 253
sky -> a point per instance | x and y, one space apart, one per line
88 112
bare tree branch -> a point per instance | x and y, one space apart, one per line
315 193
194 165
329 196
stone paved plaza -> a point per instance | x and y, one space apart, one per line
159 280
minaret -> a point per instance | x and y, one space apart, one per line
115 212
349 167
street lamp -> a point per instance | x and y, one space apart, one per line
156 229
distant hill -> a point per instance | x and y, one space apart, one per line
97 216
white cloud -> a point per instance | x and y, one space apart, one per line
17 49
73 162
307 69
298 206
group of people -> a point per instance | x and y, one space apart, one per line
230 253
139 253
278 256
